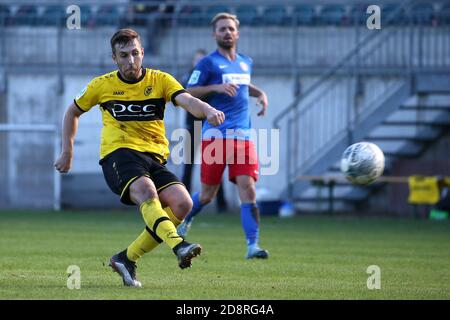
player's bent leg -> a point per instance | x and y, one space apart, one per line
178 203
178 199
143 193
147 240
144 243
250 216
159 222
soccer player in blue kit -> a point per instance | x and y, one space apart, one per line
223 79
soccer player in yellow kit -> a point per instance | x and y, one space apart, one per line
134 148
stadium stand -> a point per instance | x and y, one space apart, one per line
305 15
446 13
197 14
423 14
52 15
212 11
5 15
394 9
358 14
26 15
248 15
190 15
87 16
333 15
275 15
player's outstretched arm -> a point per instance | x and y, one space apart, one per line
261 97
200 109
69 130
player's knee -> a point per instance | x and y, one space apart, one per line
182 208
186 205
249 191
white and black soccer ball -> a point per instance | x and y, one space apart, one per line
362 162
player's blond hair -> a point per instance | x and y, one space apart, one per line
224 15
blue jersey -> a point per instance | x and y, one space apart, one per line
216 69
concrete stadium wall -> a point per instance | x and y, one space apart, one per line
29 156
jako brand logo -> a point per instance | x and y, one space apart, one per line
118 93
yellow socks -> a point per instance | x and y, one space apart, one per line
148 239
159 222
172 217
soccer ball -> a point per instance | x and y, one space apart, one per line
362 163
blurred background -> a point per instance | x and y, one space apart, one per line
331 81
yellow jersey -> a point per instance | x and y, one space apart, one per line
132 112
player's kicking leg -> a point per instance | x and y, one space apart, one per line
160 227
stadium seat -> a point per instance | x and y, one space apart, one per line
304 14
275 15
5 15
212 11
26 15
422 14
107 15
444 15
393 14
140 11
333 14
191 15
52 15
247 15
358 14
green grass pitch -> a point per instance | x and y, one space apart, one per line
310 258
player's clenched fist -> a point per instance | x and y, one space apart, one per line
64 162
215 117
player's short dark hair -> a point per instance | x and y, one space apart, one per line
224 15
124 37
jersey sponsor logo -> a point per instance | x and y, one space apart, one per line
244 66
147 110
194 77
118 93
148 90
236 78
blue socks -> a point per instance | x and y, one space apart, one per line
250 223
196 208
